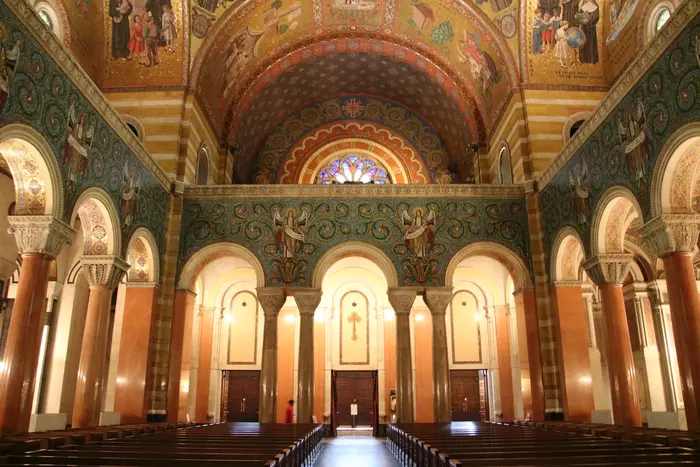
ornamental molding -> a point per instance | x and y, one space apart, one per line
104 270
307 299
75 72
608 269
45 235
566 283
353 191
634 73
402 298
271 299
669 233
438 299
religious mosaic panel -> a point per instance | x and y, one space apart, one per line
144 43
88 150
564 43
289 236
414 128
623 150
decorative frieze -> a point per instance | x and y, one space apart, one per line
44 235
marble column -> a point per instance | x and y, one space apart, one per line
608 272
674 238
39 240
401 299
134 375
206 336
179 380
525 298
572 350
505 371
438 299
662 343
103 274
271 300
307 300
601 391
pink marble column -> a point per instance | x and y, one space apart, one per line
608 272
103 274
39 239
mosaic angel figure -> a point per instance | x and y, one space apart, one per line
77 146
291 231
8 64
131 184
580 196
419 231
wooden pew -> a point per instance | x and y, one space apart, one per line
237 444
484 444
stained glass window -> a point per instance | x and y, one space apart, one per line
662 18
44 15
354 169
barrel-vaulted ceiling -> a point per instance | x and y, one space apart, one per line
264 60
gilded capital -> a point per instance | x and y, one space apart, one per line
402 298
44 235
438 299
307 299
669 233
104 270
608 269
271 299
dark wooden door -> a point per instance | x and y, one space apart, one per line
355 387
240 396
469 399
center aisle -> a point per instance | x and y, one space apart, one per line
354 451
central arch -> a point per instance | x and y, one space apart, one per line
355 248
512 262
197 262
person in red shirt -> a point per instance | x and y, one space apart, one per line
289 413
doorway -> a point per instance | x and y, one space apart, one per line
469 399
240 396
354 387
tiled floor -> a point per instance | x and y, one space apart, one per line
354 451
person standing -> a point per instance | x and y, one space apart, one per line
289 413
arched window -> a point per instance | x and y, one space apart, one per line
575 127
48 16
662 18
354 168
202 175
505 165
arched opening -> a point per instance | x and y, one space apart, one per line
53 16
655 18
202 175
223 332
505 165
573 124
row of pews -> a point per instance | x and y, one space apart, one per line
506 445
237 444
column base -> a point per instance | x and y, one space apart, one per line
110 418
602 416
47 422
667 420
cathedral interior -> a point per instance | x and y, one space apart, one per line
391 212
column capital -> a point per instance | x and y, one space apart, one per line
44 235
438 299
271 299
103 270
402 298
670 233
608 269
306 298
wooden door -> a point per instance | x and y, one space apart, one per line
354 387
469 398
240 396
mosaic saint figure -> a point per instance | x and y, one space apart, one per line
537 24
8 64
562 50
168 27
632 128
419 231
569 8
130 194
291 232
580 196
588 20
119 11
481 64
77 146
